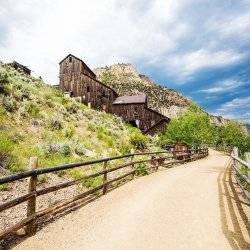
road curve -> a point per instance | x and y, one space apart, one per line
192 206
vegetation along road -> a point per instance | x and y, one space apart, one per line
193 206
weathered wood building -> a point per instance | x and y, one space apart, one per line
19 67
134 110
78 80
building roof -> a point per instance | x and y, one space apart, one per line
166 120
15 63
130 99
81 62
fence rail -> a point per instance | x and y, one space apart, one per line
156 159
237 162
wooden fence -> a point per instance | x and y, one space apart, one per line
241 177
154 160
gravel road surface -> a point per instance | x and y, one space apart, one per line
192 206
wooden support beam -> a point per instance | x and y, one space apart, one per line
105 177
132 166
31 208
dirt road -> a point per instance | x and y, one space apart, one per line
192 206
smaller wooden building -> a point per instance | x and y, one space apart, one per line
19 67
181 151
134 109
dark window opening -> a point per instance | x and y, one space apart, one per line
70 59
88 89
103 94
135 123
136 111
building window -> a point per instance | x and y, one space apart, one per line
136 114
88 89
137 122
70 59
67 94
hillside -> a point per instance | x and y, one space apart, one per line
37 120
126 81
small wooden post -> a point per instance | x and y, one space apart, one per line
157 164
31 208
132 151
105 177
132 165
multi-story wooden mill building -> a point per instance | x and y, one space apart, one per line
78 80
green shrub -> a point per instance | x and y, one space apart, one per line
9 103
104 135
138 140
42 179
56 123
141 169
31 109
65 149
4 187
6 146
93 182
25 94
17 137
72 107
124 146
69 131
231 135
50 148
61 173
76 174
5 87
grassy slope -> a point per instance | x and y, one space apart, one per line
36 120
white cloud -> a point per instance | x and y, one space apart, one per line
223 86
40 33
189 63
233 25
237 108
236 103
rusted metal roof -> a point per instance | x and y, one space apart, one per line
130 99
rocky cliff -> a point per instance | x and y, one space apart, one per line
127 81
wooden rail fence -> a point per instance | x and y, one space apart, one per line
155 160
241 176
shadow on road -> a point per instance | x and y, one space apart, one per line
233 207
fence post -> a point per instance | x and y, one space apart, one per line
31 206
105 177
157 166
132 165
236 153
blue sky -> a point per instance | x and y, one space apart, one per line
198 47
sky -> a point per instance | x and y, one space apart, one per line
201 48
